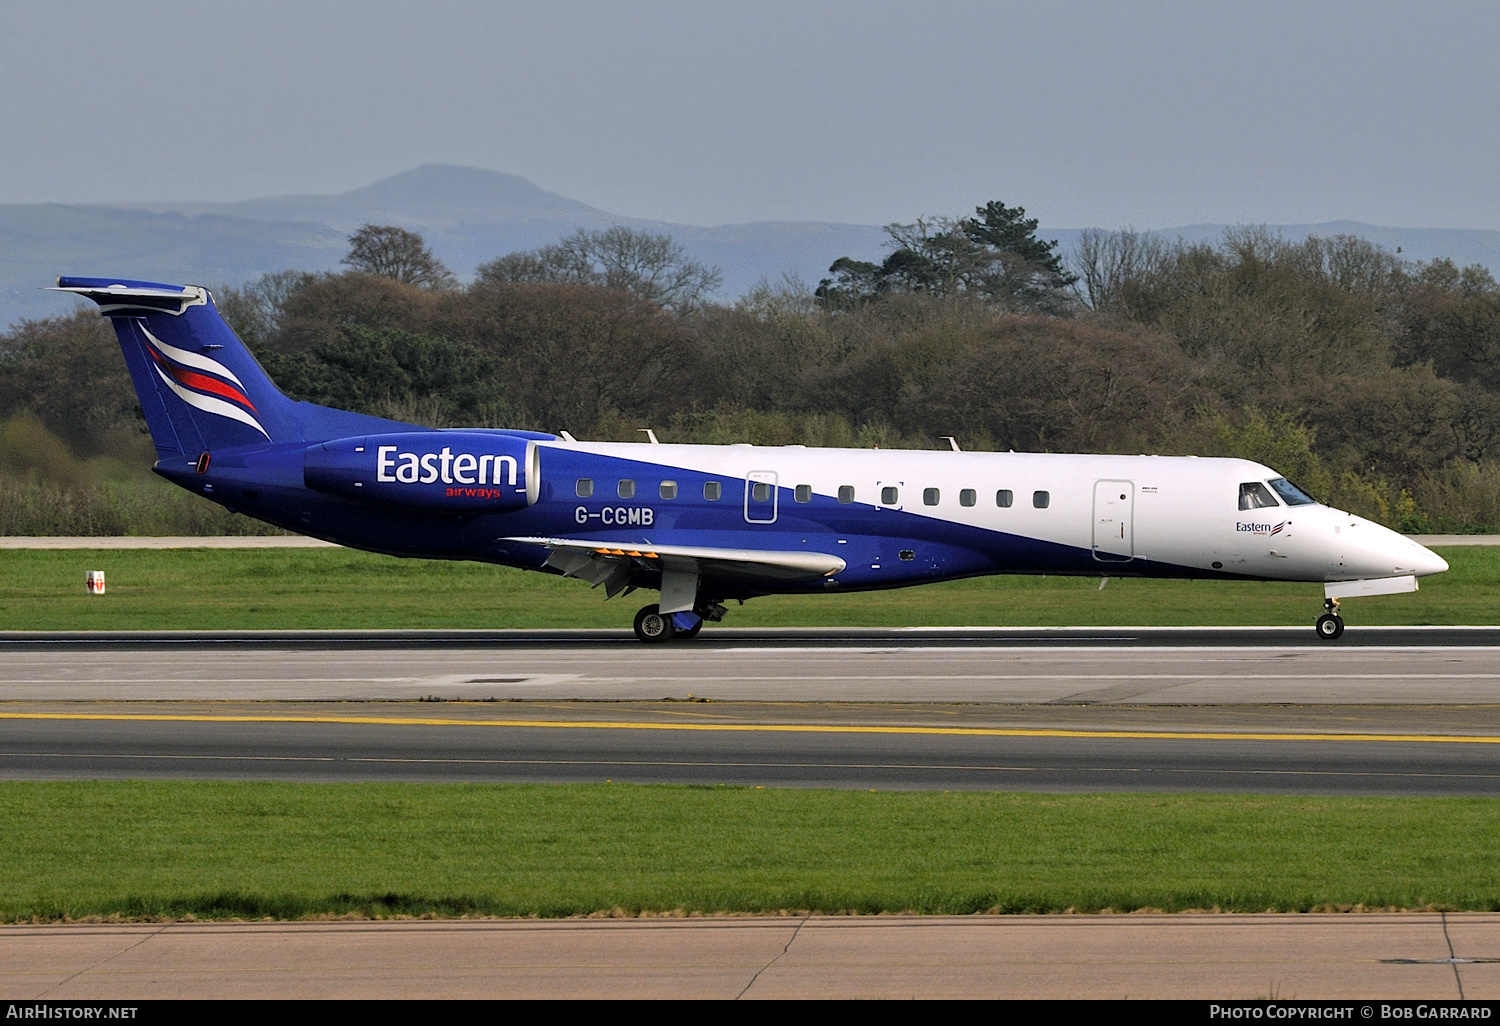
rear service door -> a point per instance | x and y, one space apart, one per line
760 497
1114 527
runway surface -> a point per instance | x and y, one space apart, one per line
1364 958
759 744
1130 665
992 710
767 637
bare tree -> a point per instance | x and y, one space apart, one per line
786 295
254 309
391 252
523 267
652 267
1111 264
936 255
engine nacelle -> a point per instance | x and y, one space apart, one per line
442 471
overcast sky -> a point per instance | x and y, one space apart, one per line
1107 114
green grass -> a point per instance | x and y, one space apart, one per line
214 849
338 588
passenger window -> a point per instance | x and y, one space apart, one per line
760 492
888 496
712 490
803 493
1041 500
1005 498
967 497
1254 495
584 488
668 489
627 488
930 496
846 494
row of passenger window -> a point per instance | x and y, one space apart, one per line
760 491
625 489
1004 497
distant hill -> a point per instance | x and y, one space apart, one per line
469 216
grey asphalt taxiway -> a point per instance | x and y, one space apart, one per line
1394 711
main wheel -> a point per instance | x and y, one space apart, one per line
691 632
653 628
1330 626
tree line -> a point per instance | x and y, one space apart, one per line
1372 381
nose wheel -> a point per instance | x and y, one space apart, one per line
1330 625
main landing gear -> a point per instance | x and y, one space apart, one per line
654 627
1330 625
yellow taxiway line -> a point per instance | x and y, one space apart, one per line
782 728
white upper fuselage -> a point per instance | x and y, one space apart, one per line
1127 511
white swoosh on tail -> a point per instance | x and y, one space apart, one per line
208 404
197 360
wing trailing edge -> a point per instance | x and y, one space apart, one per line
613 564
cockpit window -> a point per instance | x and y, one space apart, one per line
1254 495
1290 493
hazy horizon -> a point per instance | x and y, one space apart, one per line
1087 113
172 202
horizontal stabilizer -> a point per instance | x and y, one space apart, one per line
147 296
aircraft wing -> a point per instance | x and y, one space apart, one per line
611 563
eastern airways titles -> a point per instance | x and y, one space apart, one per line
409 468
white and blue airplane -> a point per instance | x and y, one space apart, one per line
707 524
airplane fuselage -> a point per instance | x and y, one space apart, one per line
894 517
708 523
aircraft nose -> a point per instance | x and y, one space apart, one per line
1428 562
1417 559
1384 553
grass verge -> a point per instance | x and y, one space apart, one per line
251 850
340 588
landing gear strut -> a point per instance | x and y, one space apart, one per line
1330 625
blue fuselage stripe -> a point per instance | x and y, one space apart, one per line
882 547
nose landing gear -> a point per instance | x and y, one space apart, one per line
1330 625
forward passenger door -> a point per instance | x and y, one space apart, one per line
1114 527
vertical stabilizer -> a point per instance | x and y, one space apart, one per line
199 387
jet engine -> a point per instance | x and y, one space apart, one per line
440 471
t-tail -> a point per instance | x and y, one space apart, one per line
200 389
